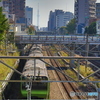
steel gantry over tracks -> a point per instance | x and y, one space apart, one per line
50 57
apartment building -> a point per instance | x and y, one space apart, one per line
98 10
85 10
17 7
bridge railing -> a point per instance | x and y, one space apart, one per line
36 38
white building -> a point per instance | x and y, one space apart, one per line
98 26
63 19
28 15
18 28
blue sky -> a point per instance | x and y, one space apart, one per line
45 6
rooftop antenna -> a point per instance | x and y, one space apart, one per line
38 16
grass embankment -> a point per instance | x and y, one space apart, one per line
86 71
68 71
4 70
65 54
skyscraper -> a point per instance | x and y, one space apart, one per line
29 15
51 21
58 18
63 19
98 10
17 7
98 18
85 10
16 12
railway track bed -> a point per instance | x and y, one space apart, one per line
65 88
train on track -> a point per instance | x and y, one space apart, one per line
39 72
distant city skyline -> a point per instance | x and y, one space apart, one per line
45 6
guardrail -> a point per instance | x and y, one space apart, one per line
24 39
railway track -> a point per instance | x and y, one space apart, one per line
69 87
61 88
83 62
97 64
73 69
56 89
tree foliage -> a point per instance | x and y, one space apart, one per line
71 26
63 30
30 30
91 29
4 26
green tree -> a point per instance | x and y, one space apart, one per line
4 26
91 29
71 26
30 30
63 30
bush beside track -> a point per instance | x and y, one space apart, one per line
5 72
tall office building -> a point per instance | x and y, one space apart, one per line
51 21
85 10
63 19
58 18
17 7
28 15
98 10
16 12
98 18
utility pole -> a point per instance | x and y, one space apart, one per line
72 48
29 91
87 51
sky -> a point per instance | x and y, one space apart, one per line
45 6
